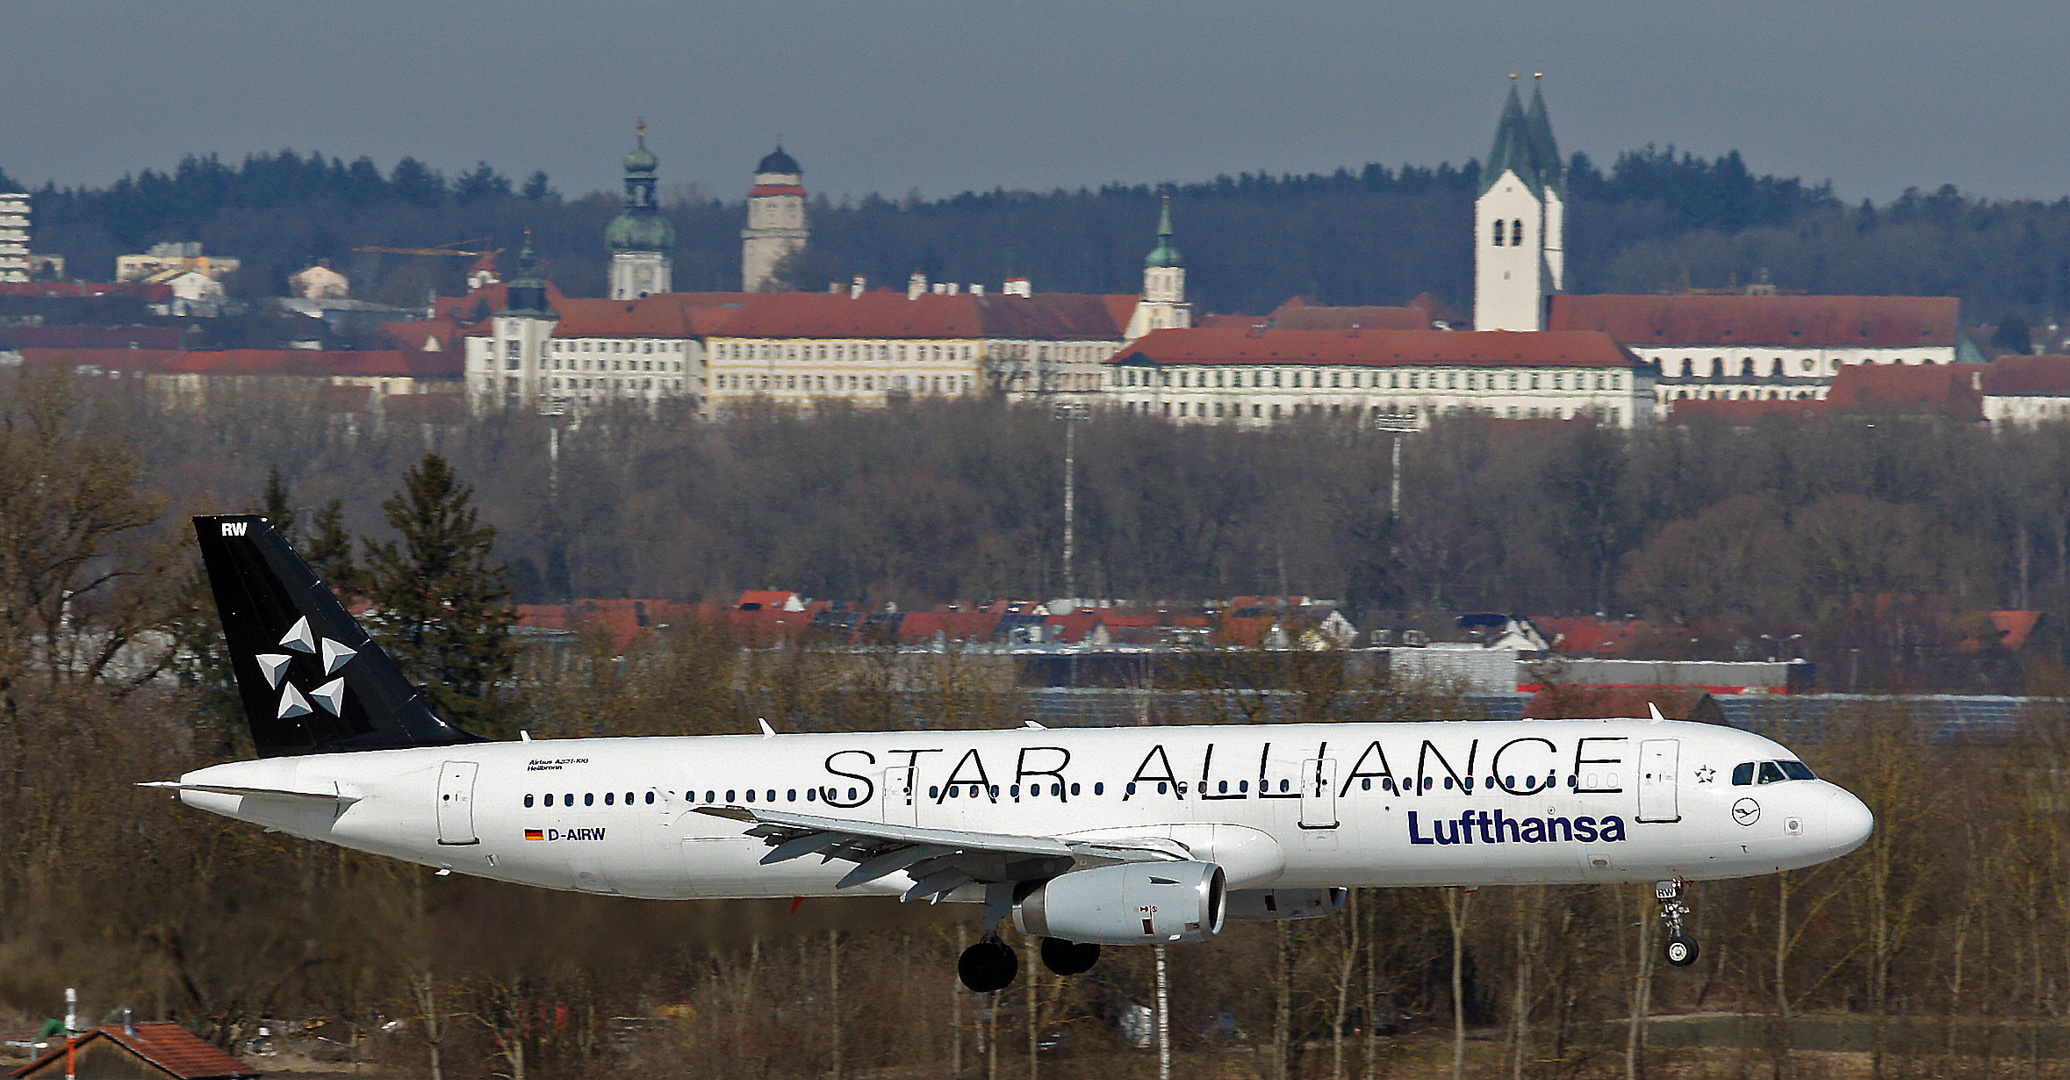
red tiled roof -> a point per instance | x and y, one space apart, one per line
775 189
1589 636
1379 348
766 599
1954 389
1313 317
883 313
1880 322
137 360
623 621
171 1048
2028 376
920 627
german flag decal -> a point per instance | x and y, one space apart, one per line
535 834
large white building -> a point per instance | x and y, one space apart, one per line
1769 347
1258 376
775 220
1520 221
14 236
541 350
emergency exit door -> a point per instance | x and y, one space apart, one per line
456 803
1658 760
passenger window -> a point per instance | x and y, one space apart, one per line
568 799
1160 788
528 802
1074 788
851 794
1243 787
1365 784
1056 789
1771 773
751 794
1131 787
1100 788
1796 770
811 794
993 791
629 798
609 796
1743 774
791 795
772 794
589 798
933 793
1285 785
709 796
729 795
549 798
1222 787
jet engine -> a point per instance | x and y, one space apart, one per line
1271 905
1126 904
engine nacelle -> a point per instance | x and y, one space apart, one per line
1268 905
1126 904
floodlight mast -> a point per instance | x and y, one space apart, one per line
1397 424
1070 412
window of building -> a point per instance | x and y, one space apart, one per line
1516 233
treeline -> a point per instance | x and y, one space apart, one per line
1943 939
1654 220
1873 545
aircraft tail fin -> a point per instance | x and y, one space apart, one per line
311 680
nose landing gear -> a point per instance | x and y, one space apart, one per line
1679 949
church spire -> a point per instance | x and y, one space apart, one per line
1545 154
1512 151
526 294
1164 254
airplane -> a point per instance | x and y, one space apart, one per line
1081 837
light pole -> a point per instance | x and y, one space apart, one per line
1397 424
1070 412
1778 647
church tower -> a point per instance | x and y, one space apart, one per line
1164 284
1520 220
639 237
776 220
520 332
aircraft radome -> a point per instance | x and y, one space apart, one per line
1082 837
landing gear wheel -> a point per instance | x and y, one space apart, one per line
1680 950
1069 957
988 966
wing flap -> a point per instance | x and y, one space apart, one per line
938 860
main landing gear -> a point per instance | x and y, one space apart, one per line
990 965
1679 949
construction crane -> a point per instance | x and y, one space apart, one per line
460 248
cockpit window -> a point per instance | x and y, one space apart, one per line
1769 772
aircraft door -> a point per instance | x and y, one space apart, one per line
1318 794
901 802
1658 761
456 803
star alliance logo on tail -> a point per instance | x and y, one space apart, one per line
331 657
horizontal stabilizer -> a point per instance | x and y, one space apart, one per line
260 792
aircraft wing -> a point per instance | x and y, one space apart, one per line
938 860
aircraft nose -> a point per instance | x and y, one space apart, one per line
1848 821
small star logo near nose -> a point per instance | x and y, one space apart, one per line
1706 774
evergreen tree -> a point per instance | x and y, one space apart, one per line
439 600
277 505
2013 334
329 550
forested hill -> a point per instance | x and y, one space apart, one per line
1654 220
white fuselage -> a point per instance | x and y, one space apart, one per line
1282 806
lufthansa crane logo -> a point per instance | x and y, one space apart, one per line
1746 811
331 658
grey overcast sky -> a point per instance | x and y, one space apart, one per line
942 96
